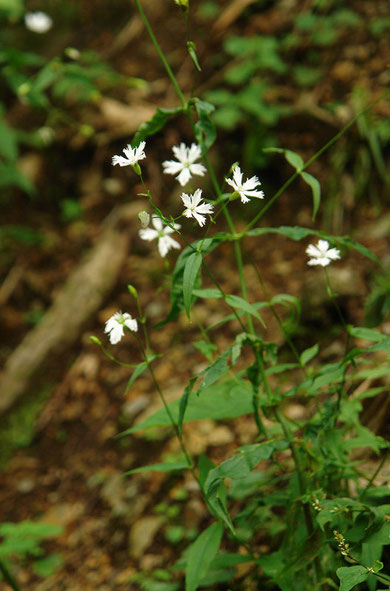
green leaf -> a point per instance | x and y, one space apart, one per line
157 122
298 233
141 367
190 275
239 303
201 554
207 349
203 246
208 293
240 464
184 402
162 467
217 369
351 575
229 399
292 157
192 51
216 499
308 354
204 467
205 132
315 189
48 565
368 334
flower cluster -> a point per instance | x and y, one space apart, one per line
184 167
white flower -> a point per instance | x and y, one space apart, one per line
322 254
247 189
115 326
165 242
38 22
132 155
195 208
185 166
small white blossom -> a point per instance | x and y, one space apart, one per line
162 234
38 21
322 254
185 165
133 155
115 326
247 189
195 208
144 218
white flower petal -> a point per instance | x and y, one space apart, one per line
120 160
201 219
184 176
186 199
172 167
148 234
194 153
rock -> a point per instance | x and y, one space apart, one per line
142 534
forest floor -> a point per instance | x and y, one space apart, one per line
64 463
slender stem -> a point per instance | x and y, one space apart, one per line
8 578
276 315
168 410
371 481
301 483
161 54
310 161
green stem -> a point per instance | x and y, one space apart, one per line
161 54
371 481
301 483
310 161
8 578
168 411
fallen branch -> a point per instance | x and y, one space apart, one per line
80 298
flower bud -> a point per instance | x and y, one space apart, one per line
95 340
144 218
137 169
132 291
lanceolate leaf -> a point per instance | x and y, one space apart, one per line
214 372
177 299
238 302
163 467
201 555
190 275
292 157
298 233
157 122
228 399
315 189
184 402
205 132
141 367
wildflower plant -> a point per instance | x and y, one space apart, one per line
276 502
